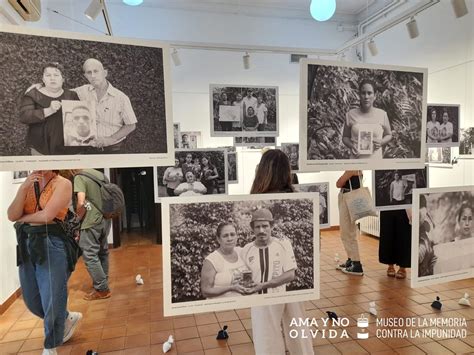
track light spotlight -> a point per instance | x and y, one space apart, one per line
459 7
94 9
175 58
412 28
372 47
246 59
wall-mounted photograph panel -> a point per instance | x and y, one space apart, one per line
324 200
466 144
443 125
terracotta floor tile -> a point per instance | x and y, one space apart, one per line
210 342
238 338
183 322
373 345
32 344
16 335
205 318
457 346
208 329
410 350
157 349
161 325
81 349
189 345
218 351
226 316
111 344
186 333
114 332
139 340
144 350
242 349
327 349
26 324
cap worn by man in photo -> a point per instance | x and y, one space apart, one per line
262 214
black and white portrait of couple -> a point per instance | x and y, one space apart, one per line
195 172
244 111
369 116
68 95
442 127
258 250
443 235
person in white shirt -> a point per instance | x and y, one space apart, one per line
191 187
262 113
432 128
397 190
446 129
115 116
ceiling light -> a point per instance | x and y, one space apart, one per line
175 57
246 59
412 28
459 7
372 47
132 2
322 10
94 9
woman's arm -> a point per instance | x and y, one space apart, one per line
208 274
387 133
181 188
345 177
29 114
15 210
60 199
214 176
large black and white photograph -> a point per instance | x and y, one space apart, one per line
292 152
393 189
123 95
243 111
466 144
190 140
439 157
443 235
442 126
195 172
255 142
229 252
323 189
232 165
365 115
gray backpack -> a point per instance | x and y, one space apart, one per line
113 200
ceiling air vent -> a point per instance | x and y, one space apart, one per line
29 10
295 58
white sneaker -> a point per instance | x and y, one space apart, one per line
71 324
50 351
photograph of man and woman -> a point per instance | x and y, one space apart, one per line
393 189
82 95
443 238
195 172
250 111
442 126
371 116
243 250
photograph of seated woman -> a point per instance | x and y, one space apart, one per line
250 120
366 117
40 109
222 270
190 187
464 225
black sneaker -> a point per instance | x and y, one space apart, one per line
354 269
344 265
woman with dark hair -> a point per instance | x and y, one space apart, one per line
209 176
366 118
464 225
172 178
40 109
44 258
221 272
273 175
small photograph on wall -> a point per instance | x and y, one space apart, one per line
243 111
439 157
442 126
176 134
292 152
254 142
272 240
79 123
20 176
47 71
190 140
323 189
393 189
443 235
364 115
466 145
195 172
232 170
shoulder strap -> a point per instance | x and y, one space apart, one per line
38 194
92 177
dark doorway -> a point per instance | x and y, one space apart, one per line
138 222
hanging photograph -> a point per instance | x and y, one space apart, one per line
364 116
243 111
323 189
232 170
195 172
20 176
74 100
466 145
190 140
443 235
176 134
439 157
292 152
254 142
393 189
442 126
229 252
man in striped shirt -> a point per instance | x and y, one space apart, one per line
272 261
115 116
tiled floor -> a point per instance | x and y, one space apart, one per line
132 322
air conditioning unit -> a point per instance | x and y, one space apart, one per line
29 10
